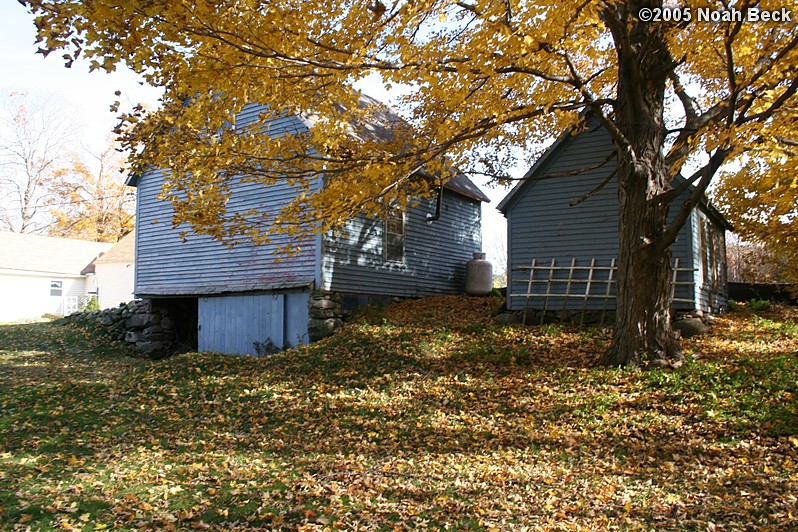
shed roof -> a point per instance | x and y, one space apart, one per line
562 143
123 251
382 125
44 254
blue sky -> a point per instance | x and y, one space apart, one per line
89 95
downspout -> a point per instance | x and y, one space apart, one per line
433 217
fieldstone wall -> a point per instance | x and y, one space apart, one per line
326 314
139 322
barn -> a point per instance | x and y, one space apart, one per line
249 299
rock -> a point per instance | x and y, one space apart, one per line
155 333
132 337
150 348
166 323
690 327
319 313
140 321
324 304
659 363
507 318
318 329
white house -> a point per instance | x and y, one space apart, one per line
114 273
43 275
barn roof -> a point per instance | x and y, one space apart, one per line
44 254
381 126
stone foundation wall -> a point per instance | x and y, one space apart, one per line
326 314
139 322
327 311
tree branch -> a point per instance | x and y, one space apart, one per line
707 172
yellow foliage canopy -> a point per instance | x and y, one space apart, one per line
91 204
487 76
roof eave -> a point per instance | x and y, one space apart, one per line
133 180
503 205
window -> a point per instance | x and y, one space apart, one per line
394 234
56 288
713 256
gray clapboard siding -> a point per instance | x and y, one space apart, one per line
542 224
435 254
707 295
165 265
248 323
246 298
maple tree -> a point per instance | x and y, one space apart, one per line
92 203
486 76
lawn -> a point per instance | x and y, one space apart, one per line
424 415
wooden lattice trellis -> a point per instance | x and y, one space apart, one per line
596 285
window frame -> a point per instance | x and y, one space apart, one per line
389 247
56 285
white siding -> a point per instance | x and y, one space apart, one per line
27 295
114 283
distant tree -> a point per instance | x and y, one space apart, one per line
92 202
761 200
497 254
749 262
33 138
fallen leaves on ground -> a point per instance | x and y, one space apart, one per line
423 415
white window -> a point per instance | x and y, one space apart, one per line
56 288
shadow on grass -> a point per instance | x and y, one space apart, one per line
393 412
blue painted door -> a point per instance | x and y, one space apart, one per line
253 324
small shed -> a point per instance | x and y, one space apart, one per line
114 272
562 235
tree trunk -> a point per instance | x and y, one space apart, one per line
643 334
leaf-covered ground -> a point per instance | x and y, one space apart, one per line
421 416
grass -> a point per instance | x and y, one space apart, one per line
426 415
